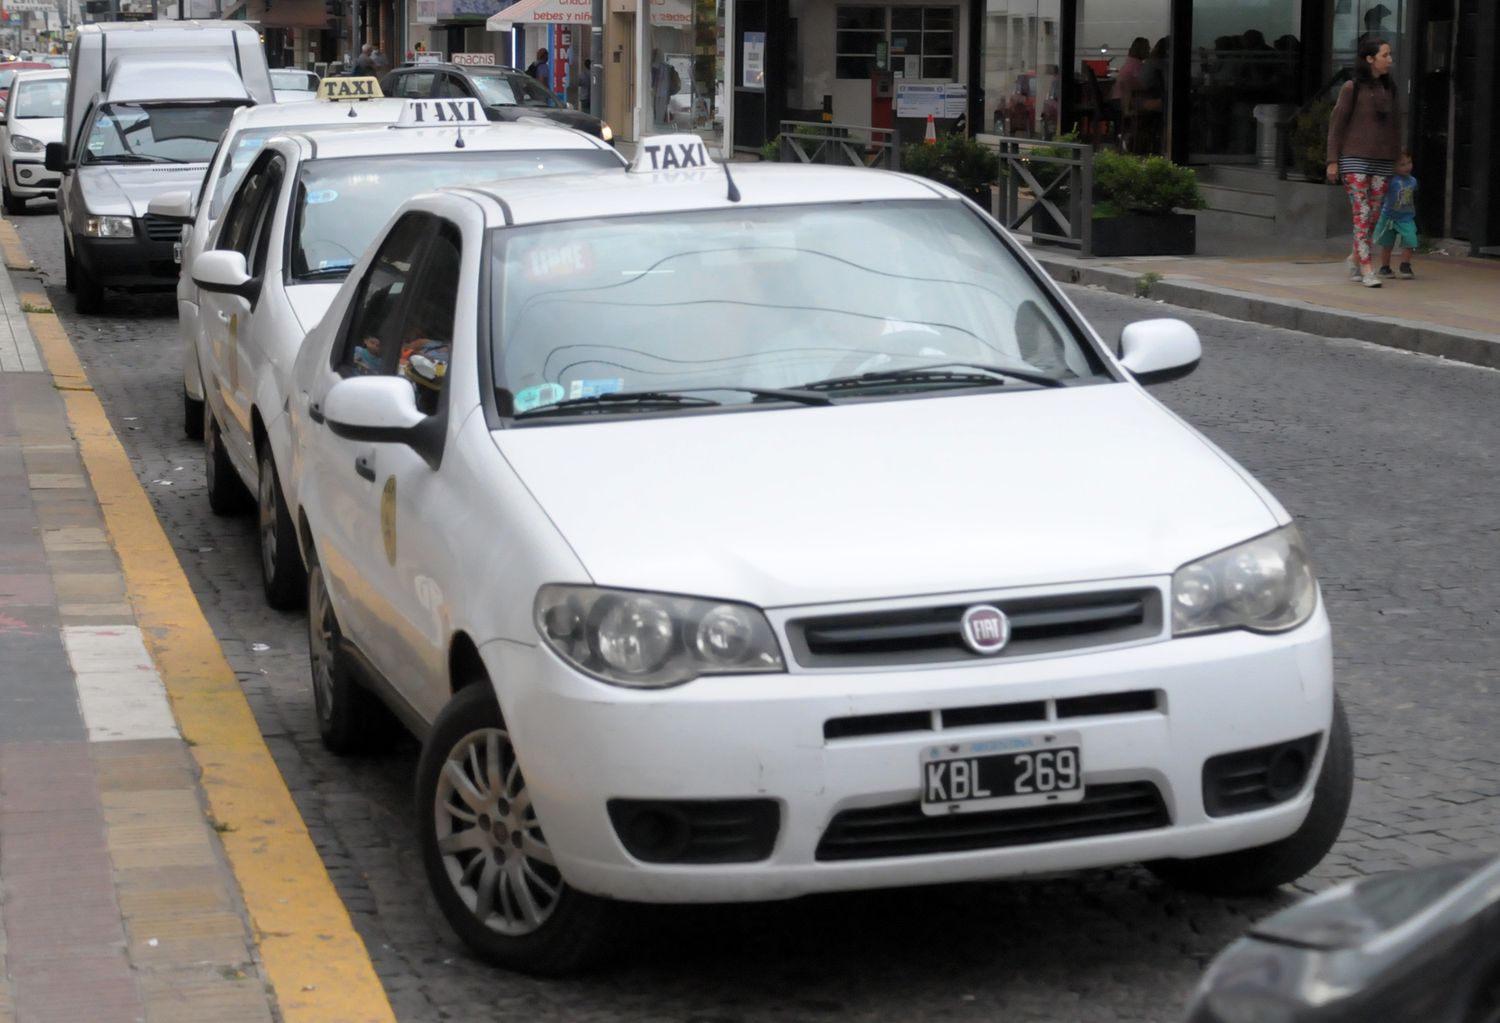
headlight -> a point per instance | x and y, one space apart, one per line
109 227
653 640
1264 585
606 132
26 144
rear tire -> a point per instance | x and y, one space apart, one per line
192 416
226 493
1252 871
486 857
351 720
282 573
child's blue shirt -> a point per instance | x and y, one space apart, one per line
1400 198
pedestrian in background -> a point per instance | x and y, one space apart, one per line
1398 219
541 68
1364 139
364 64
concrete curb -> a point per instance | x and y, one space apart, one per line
1392 332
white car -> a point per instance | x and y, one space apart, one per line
33 117
291 85
786 535
198 211
305 210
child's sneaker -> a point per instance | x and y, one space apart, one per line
1406 272
1371 280
1385 274
1352 267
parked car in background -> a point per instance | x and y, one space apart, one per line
1411 945
33 117
292 85
8 70
56 60
505 93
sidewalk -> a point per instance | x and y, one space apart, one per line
1451 310
152 865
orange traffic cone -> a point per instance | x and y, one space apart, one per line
931 137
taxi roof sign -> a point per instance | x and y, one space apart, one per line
670 152
464 112
346 88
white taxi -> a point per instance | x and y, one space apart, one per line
198 212
32 116
307 206
787 533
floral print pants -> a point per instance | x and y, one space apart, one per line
1366 195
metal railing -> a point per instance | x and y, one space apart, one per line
1058 179
843 145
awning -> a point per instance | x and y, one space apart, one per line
543 12
296 14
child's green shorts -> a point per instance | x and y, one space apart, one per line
1387 231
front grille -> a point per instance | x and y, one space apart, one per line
904 830
1138 701
1254 779
159 230
696 830
925 635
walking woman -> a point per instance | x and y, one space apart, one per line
1364 140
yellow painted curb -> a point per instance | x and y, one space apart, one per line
314 961
10 245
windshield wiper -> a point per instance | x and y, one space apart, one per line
321 272
677 398
940 374
129 158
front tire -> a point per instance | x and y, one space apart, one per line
70 270
88 293
487 860
351 720
281 570
1266 867
226 492
192 416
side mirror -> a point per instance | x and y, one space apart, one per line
224 271
56 158
383 410
174 206
1155 351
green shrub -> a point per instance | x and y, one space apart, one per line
955 160
771 151
1142 185
1309 141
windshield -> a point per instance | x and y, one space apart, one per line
40 99
513 90
342 204
780 297
300 80
137 133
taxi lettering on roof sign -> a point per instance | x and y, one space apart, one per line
349 88
438 113
670 152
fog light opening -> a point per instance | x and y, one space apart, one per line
660 833
1286 773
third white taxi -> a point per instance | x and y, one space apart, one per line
306 208
740 533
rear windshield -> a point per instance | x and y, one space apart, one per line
341 204
513 90
156 133
303 80
40 99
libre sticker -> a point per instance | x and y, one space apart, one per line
558 261
541 394
326 195
594 388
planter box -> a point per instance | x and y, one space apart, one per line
1306 209
1175 234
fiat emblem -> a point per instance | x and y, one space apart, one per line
986 629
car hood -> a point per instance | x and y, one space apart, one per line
792 506
310 301
126 190
43 129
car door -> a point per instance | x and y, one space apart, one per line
340 485
230 317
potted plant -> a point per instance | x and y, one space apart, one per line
1309 142
956 160
1137 204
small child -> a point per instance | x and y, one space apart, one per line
1398 218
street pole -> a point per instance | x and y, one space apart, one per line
596 60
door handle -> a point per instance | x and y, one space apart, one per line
365 466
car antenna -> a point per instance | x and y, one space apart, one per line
458 143
734 192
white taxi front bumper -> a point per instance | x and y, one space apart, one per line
582 743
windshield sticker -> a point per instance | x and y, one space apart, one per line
334 264
326 195
543 394
594 388
252 142
558 261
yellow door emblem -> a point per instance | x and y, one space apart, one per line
388 518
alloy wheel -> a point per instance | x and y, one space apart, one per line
266 499
322 633
488 836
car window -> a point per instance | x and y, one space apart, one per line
39 99
415 85
373 342
427 334
257 239
243 148
242 215
137 133
286 78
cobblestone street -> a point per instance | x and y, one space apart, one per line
1389 462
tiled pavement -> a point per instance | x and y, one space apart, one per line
115 899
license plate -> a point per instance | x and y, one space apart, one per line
991 774
177 252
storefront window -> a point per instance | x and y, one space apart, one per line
911 42
1245 72
1022 82
1122 74
685 72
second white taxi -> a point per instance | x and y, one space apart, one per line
741 537
308 205
33 117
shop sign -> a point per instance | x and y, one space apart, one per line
945 100
753 72
474 59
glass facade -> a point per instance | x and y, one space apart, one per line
1122 72
1022 67
682 60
